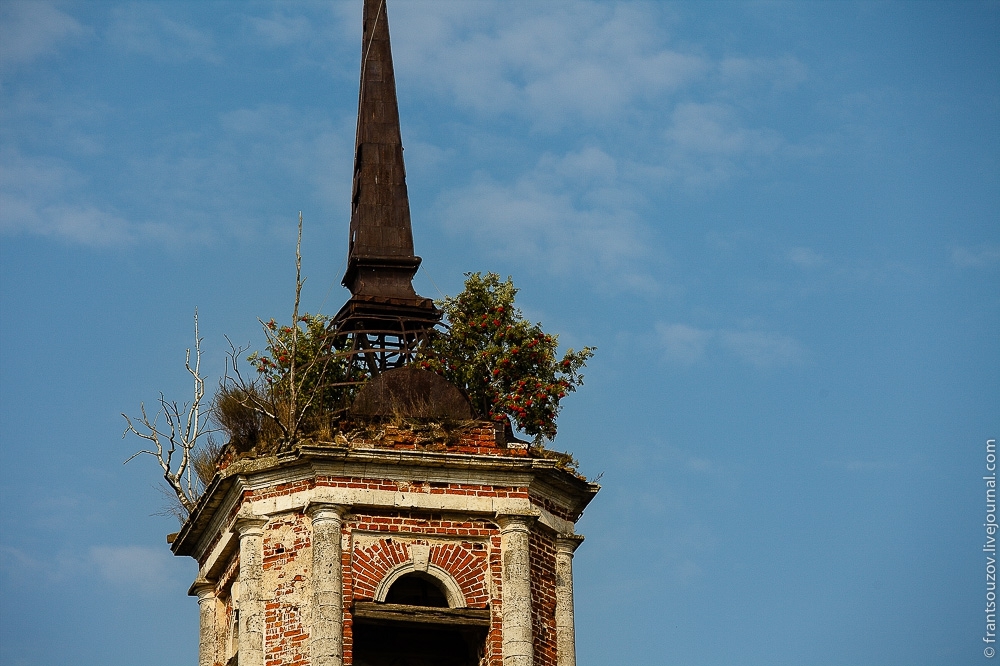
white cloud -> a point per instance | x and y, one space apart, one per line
280 29
805 257
980 256
29 191
567 216
41 196
863 466
147 30
141 568
29 30
708 142
764 350
552 64
778 73
685 345
682 343
609 68
305 144
194 188
18 564
137 568
589 67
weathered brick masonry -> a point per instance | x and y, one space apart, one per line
401 510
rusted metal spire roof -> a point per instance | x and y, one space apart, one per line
380 263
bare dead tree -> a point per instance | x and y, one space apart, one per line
293 388
174 440
289 408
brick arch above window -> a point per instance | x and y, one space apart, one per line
450 587
464 564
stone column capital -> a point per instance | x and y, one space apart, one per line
568 543
515 522
204 589
248 524
320 511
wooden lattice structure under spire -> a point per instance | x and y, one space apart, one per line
385 319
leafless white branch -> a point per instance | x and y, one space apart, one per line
183 425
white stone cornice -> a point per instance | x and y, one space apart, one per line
211 521
568 543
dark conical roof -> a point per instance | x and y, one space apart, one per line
380 263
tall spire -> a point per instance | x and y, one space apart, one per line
380 263
384 319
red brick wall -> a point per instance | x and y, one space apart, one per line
286 568
542 553
494 640
470 552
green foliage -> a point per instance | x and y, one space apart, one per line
507 365
307 363
303 377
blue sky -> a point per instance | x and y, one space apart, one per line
778 223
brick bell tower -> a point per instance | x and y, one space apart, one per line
397 543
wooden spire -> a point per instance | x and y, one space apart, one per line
380 263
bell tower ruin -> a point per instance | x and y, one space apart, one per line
398 541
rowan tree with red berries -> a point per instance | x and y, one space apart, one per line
508 366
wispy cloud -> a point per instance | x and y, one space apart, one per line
777 73
553 64
686 345
192 189
148 570
29 30
569 215
148 30
980 256
805 257
139 569
709 143
552 68
763 350
863 466
683 344
31 195
280 28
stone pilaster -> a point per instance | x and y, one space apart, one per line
326 642
565 629
208 629
250 530
518 648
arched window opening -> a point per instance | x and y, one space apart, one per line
418 618
417 589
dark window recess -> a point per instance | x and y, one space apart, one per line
417 589
387 645
414 626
